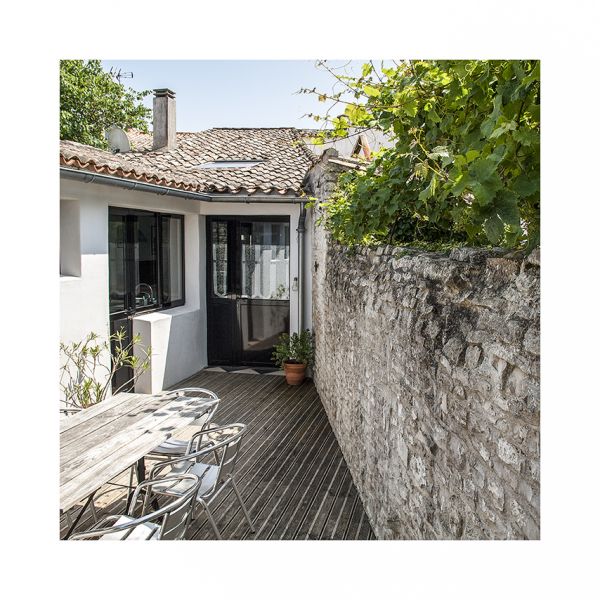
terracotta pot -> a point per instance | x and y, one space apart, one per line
294 373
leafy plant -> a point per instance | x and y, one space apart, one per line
89 365
464 167
280 292
91 100
297 348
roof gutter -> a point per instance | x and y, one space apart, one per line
100 178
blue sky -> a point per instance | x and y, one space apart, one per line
228 93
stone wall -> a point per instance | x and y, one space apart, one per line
428 367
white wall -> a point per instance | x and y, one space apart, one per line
177 336
84 299
70 238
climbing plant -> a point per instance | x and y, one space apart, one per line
464 164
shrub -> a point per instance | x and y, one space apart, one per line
89 366
464 167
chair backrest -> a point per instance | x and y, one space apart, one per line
231 450
172 519
216 447
175 520
199 392
223 442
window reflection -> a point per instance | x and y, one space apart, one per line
219 258
265 260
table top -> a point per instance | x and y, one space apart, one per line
100 442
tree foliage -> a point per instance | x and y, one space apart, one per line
91 100
465 163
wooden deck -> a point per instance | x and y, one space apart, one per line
290 472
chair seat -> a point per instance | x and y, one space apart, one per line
206 473
144 531
177 447
171 447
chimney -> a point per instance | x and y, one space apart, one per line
163 119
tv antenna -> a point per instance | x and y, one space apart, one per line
118 74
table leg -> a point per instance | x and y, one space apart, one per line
140 473
78 518
141 470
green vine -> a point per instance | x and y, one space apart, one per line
465 163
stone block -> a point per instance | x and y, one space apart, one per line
531 340
496 493
418 470
508 453
473 356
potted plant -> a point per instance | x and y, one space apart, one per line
295 353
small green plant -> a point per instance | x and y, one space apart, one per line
299 348
88 366
280 293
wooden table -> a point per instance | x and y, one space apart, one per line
102 441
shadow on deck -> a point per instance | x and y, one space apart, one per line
290 472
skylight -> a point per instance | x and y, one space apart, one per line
230 164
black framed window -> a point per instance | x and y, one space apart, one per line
172 260
146 260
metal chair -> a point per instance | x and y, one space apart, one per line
176 447
167 523
211 455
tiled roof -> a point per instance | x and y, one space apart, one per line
283 155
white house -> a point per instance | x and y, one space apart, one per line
200 242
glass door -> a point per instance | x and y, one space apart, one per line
119 289
248 288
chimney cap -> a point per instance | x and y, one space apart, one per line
164 92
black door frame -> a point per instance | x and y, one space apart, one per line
234 285
124 318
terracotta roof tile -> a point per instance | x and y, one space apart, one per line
283 155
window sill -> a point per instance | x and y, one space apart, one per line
70 277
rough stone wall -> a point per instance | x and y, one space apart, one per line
428 367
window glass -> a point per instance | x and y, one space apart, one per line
117 267
219 258
265 260
146 260
145 265
172 259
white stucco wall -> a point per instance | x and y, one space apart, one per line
177 336
84 299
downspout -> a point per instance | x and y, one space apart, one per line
301 229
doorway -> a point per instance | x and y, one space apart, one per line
248 288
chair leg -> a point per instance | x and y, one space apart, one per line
211 520
239 497
93 510
69 519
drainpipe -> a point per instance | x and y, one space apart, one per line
301 229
